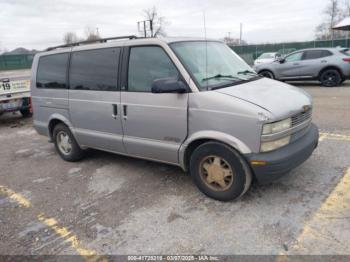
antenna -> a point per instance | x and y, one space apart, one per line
206 47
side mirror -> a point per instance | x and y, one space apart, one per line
281 60
168 85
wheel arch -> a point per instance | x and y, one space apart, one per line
268 70
202 137
330 67
56 119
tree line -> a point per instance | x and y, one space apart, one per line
335 11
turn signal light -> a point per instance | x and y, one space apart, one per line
258 163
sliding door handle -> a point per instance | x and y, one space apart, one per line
125 112
115 111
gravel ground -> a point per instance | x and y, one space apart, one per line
110 204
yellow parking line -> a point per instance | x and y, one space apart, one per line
15 196
333 206
63 232
324 135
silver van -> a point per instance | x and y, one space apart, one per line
188 102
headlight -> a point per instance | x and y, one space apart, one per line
272 145
277 126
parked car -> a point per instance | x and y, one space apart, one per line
162 100
266 58
15 94
330 66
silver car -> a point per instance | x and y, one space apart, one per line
330 66
266 58
189 103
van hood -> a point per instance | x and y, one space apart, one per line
280 99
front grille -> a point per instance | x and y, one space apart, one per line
301 117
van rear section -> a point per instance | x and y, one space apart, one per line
15 92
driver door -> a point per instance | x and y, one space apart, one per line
291 68
154 124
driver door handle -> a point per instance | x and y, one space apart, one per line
296 64
115 111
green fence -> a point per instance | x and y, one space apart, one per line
12 62
250 52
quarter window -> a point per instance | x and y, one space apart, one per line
94 69
147 64
52 70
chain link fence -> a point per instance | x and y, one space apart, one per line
250 52
12 62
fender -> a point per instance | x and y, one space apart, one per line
62 118
212 135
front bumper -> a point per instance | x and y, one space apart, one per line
281 161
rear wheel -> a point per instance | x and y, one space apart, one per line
219 171
267 74
330 78
25 112
65 144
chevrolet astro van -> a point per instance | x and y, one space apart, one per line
193 103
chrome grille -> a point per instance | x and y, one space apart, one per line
301 117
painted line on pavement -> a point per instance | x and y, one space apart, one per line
63 232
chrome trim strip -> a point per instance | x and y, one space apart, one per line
290 131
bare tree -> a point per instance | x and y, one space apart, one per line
91 34
234 41
334 12
346 9
70 38
157 22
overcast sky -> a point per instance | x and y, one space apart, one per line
42 23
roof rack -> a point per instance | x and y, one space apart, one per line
102 40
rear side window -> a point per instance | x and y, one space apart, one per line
94 69
147 64
315 54
52 71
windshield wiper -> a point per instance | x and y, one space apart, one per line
222 76
247 72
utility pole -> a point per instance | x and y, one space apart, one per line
240 33
144 27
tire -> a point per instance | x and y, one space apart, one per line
219 171
65 144
267 74
330 78
25 112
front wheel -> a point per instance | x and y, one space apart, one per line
219 171
66 145
330 78
267 74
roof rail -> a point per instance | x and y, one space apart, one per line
102 40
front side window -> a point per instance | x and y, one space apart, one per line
52 71
212 64
146 64
94 69
294 57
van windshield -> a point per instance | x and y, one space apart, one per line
212 64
